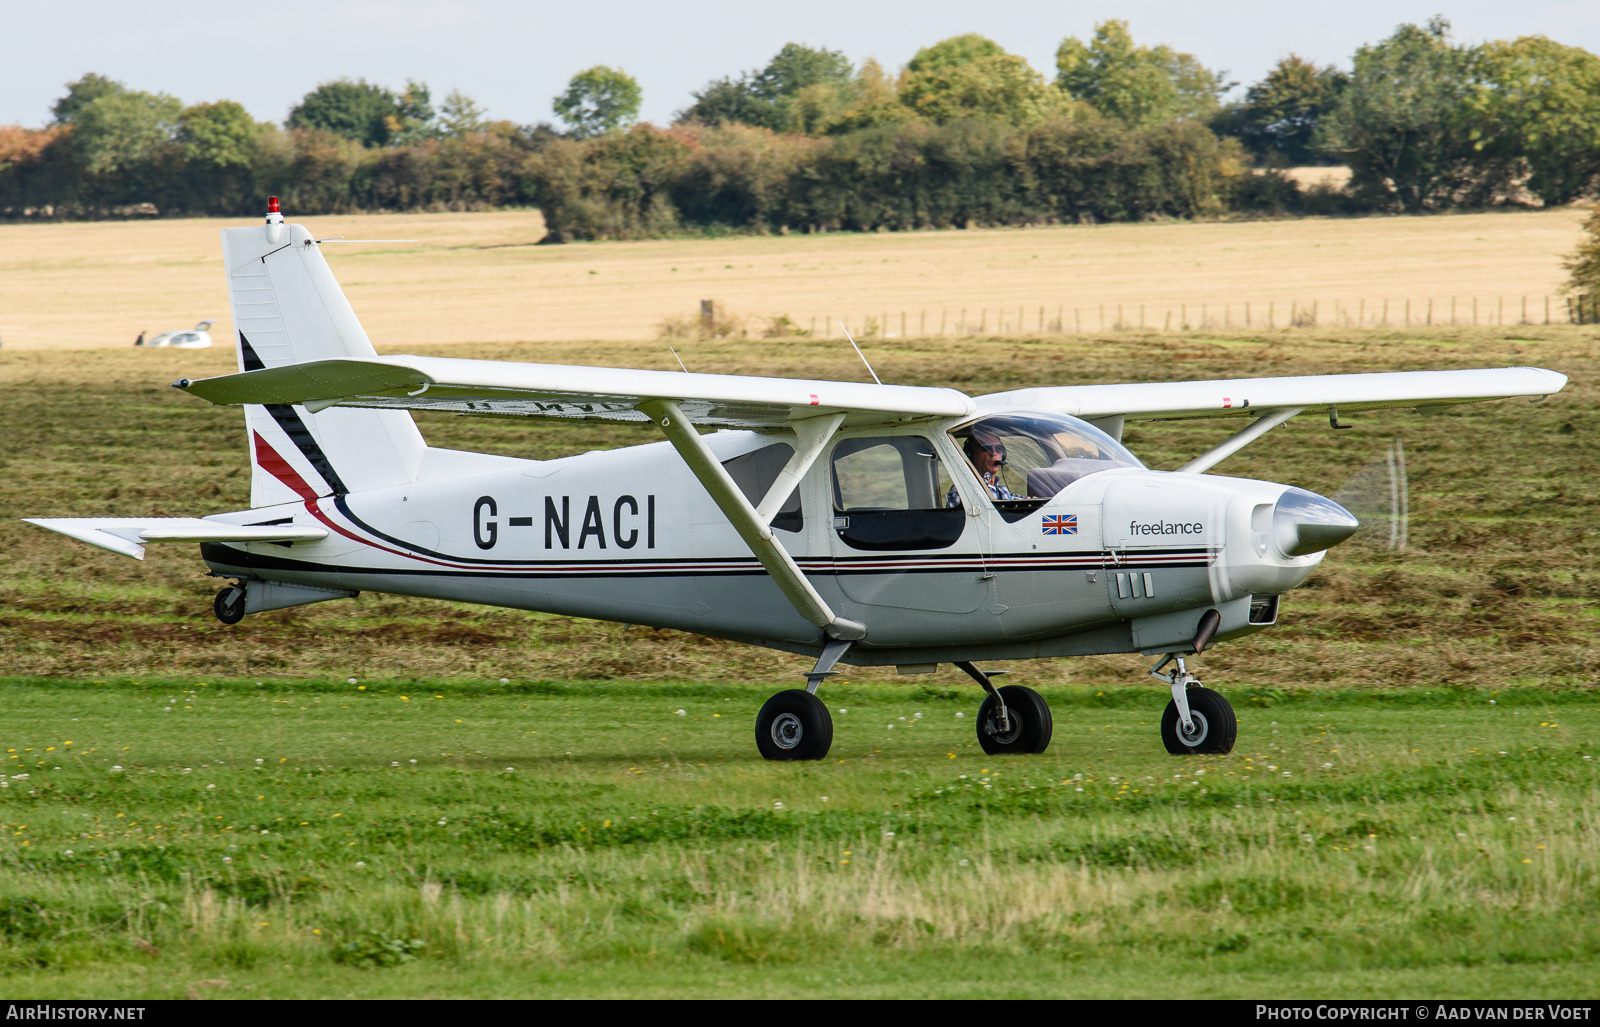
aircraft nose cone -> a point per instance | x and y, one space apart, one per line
1304 523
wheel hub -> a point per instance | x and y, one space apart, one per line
787 731
1004 736
1198 730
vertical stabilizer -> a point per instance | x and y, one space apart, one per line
287 309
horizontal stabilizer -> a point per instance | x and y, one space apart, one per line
1428 391
500 388
125 535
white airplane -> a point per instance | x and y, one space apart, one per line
874 525
198 337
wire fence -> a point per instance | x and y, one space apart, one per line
1061 318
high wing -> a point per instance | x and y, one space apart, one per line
490 387
1428 391
126 535
1272 401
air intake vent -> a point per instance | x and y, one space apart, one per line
1264 609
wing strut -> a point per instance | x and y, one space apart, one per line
1237 441
752 526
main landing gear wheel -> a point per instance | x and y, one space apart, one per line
794 725
229 605
1215 727
1030 724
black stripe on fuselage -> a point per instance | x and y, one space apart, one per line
217 552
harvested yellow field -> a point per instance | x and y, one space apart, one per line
483 278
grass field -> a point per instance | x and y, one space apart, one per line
481 278
1411 809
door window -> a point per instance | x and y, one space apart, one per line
893 492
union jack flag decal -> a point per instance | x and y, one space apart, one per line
1061 524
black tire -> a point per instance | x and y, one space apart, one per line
1215 736
794 725
1031 724
229 605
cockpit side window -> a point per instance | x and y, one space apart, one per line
1024 459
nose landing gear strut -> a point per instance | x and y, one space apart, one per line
1198 719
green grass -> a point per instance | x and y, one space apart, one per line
1358 842
1397 870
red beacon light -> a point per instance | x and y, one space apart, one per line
275 226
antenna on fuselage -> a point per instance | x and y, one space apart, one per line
678 359
860 354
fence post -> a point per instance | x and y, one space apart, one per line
1247 314
1386 313
1547 309
708 316
1272 310
1294 312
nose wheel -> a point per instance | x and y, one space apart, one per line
1197 720
1212 728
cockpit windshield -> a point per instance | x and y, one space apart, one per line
1025 458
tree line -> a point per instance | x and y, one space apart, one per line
965 134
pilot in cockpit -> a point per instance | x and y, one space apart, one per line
988 456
